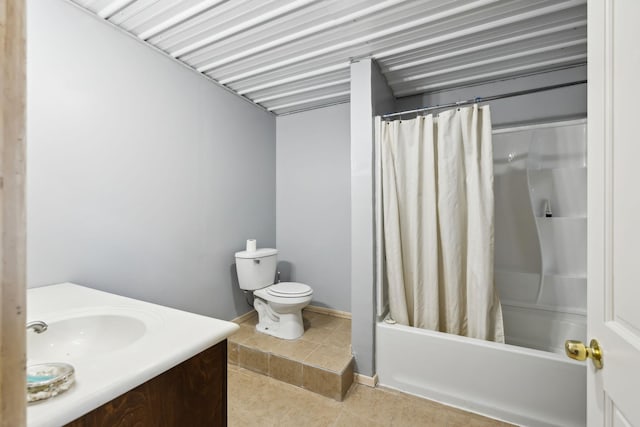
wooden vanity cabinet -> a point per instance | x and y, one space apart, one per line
193 393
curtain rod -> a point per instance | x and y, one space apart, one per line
488 98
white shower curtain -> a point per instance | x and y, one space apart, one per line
436 201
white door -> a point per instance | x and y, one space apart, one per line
613 392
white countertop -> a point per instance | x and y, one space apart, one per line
170 337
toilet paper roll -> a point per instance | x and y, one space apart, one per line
251 245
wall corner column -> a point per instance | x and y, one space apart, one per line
370 95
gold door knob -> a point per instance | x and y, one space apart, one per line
578 351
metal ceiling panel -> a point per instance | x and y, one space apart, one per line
475 59
293 55
301 86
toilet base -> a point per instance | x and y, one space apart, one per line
287 326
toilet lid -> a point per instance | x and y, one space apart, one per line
290 290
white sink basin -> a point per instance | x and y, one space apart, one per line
84 336
113 343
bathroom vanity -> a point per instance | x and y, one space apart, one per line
194 393
135 363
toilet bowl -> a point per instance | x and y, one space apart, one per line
280 313
279 305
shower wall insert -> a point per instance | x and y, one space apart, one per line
540 273
540 186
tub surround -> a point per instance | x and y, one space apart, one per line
540 182
169 338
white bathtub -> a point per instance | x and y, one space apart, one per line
514 384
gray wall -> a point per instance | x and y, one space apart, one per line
144 178
313 203
369 96
554 105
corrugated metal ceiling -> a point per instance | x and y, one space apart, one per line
290 55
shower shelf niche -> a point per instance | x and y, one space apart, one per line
563 245
557 175
561 218
564 188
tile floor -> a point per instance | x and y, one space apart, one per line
258 400
319 361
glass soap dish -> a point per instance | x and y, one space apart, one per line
48 380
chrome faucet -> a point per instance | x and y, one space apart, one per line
38 326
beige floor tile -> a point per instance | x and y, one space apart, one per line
274 400
306 314
414 412
323 382
330 357
373 403
300 397
240 392
232 352
349 419
409 402
254 360
309 409
340 338
234 371
241 335
241 382
257 400
241 417
257 394
347 378
317 335
262 342
452 417
418 411
287 370
328 322
310 415
295 349
341 324
306 322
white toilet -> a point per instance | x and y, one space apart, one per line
279 305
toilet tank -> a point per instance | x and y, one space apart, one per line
256 269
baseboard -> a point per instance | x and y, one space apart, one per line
366 380
244 317
311 308
328 311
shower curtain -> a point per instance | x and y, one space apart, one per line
435 197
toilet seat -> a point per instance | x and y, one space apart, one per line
289 290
